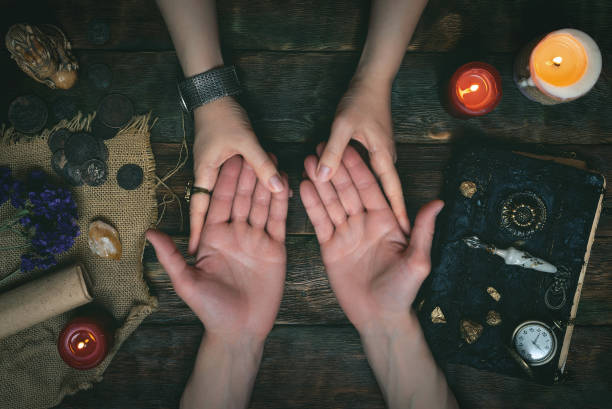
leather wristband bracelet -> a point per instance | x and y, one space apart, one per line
207 87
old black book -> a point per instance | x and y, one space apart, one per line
508 199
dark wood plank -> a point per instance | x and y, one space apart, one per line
325 367
315 25
309 299
292 97
420 168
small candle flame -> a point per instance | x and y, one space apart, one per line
81 345
555 61
472 88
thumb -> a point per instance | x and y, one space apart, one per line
419 250
332 154
170 258
264 166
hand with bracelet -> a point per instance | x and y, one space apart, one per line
222 127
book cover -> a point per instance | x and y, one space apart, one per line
473 301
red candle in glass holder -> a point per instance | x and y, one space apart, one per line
85 341
474 89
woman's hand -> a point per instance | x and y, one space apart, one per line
374 271
364 114
223 130
236 284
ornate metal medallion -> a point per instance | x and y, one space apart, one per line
523 214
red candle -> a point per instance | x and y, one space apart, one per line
474 89
85 341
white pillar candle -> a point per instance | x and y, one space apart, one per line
560 67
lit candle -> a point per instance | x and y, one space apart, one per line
560 67
85 341
474 89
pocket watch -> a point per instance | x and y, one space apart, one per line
535 342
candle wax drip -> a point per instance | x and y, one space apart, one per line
82 343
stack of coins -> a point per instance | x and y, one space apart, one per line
114 112
78 157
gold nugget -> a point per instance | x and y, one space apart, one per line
437 316
493 293
468 188
493 318
470 331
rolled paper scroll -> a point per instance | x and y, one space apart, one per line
43 298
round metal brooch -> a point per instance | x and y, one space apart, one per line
523 214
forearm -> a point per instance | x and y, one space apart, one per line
404 367
223 375
392 23
193 27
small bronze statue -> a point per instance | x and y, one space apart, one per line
43 53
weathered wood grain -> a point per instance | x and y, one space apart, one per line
292 97
325 367
420 168
309 299
315 25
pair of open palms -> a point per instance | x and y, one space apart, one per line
236 285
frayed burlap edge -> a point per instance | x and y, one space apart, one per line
139 124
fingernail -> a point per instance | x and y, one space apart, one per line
290 192
323 173
276 184
440 209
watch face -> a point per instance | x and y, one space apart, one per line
535 342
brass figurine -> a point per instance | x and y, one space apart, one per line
470 331
468 188
437 316
44 53
493 318
493 293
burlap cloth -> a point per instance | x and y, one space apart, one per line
32 374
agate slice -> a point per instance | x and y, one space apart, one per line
103 240
44 53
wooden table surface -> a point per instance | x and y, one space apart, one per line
295 59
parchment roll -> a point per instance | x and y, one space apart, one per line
42 299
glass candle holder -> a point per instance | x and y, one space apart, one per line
474 90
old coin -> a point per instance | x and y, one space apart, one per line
58 162
98 32
101 131
28 114
115 110
94 172
57 139
100 76
73 174
81 147
129 176
64 108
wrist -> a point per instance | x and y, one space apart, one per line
249 347
405 325
375 77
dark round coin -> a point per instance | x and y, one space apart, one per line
64 108
98 32
81 147
94 172
100 76
129 176
28 114
115 110
58 162
73 174
57 139
101 131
